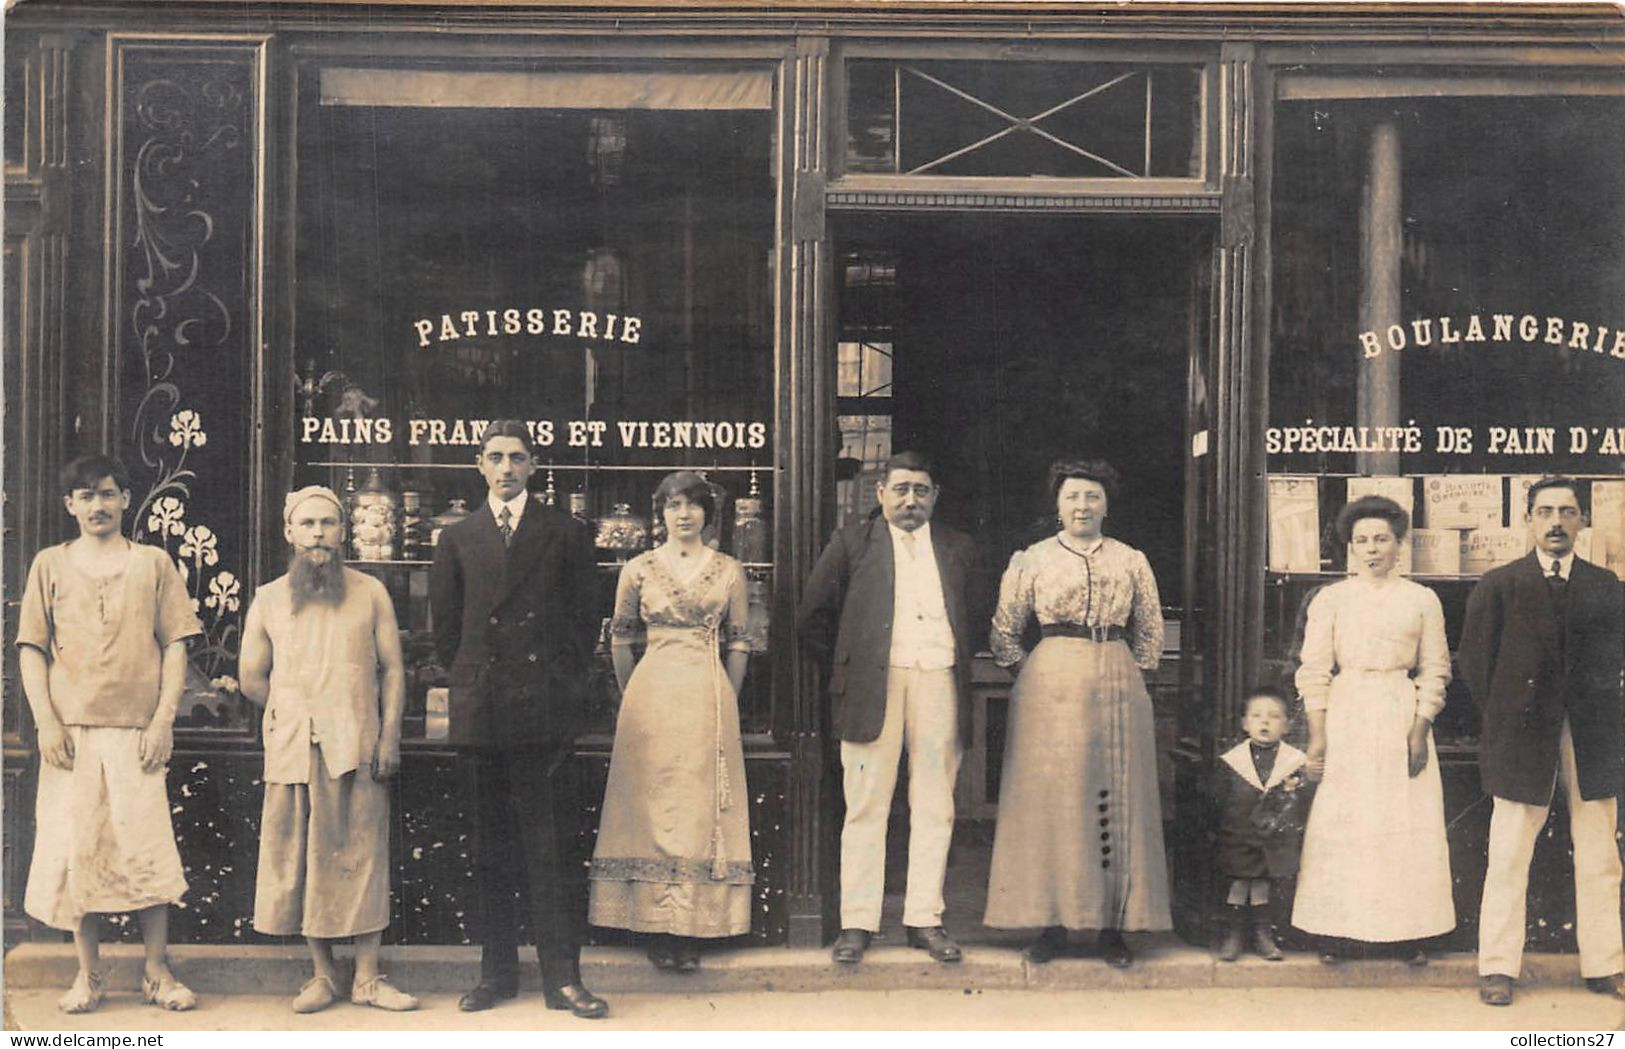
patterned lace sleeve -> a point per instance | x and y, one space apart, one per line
1433 658
627 626
1010 617
1145 617
736 635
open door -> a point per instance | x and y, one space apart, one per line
999 343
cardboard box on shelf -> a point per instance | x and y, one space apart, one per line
1608 522
1487 548
1461 501
1401 490
1435 551
1518 486
1594 546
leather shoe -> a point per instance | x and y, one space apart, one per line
1495 989
1114 950
663 953
850 945
1051 944
935 942
576 998
486 994
1613 986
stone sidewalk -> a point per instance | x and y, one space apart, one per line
1539 1008
1162 962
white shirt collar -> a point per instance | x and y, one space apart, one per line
1567 561
922 535
516 506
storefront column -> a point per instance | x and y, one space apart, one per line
1381 236
1241 289
803 519
49 393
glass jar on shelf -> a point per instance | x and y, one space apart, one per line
759 609
750 539
414 527
622 532
445 519
374 523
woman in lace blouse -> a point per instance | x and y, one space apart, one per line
1079 837
673 853
1373 670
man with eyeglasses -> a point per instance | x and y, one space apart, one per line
1541 650
886 607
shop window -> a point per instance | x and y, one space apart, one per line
1059 120
1446 329
588 252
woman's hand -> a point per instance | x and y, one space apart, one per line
1417 744
1315 767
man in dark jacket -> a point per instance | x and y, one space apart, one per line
885 605
508 589
1542 650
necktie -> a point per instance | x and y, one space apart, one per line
910 544
505 525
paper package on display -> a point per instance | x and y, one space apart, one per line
1608 524
1461 501
1294 511
1435 551
1487 548
1595 547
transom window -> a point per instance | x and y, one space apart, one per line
1044 119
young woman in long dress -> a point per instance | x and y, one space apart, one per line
673 854
1374 665
1078 843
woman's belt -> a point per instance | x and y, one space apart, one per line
1100 634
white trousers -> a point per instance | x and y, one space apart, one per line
1513 830
922 714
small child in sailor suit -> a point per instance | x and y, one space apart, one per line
1259 795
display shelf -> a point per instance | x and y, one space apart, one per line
401 563
747 565
1281 578
1346 475
593 467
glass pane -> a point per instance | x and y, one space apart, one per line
603 275
1061 120
1447 308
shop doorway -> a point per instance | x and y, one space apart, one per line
999 343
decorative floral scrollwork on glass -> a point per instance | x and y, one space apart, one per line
185 206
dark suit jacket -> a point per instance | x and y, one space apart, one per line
1510 661
846 616
515 626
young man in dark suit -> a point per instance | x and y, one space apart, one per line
1541 650
510 588
885 605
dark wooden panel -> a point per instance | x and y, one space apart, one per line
215 798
